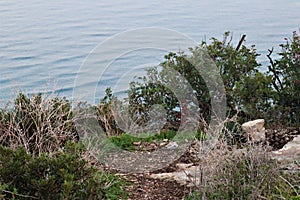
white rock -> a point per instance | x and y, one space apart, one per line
290 151
182 166
189 176
255 130
172 145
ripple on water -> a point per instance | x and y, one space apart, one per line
42 40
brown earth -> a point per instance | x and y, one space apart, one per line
146 188
143 187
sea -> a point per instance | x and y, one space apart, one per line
47 46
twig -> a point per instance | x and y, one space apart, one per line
20 195
240 42
273 70
293 187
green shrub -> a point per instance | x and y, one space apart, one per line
233 133
248 91
151 90
62 175
285 71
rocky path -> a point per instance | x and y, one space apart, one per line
148 186
175 182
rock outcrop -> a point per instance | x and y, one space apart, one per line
289 152
285 144
255 130
284 141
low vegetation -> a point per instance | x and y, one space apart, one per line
247 173
41 156
60 175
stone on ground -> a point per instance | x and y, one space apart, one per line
289 152
188 175
255 130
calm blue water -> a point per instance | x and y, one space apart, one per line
44 43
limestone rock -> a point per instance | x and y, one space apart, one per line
189 176
183 166
289 152
255 130
172 145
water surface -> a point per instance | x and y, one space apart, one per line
44 43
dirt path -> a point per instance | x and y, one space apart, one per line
146 188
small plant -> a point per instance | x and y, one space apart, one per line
126 141
106 114
62 175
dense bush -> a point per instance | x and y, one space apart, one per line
250 93
38 162
151 90
285 72
62 175
38 124
37 159
248 90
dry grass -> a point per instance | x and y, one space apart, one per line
39 124
227 172
43 125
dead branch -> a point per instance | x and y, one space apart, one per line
273 70
240 42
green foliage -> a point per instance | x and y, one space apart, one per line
125 141
254 96
233 133
151 90
200 135
285 71
63 175
247 89
250 93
